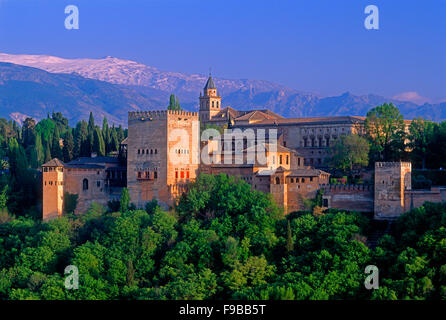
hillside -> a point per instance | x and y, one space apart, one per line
112 86
26 91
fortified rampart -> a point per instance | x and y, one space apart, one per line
349 197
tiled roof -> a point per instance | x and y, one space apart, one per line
314 120
209 84
89 160
84 166
269 146
259 115
54 163
306 172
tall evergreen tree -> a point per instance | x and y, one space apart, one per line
106 135
68 147
174 103
56 150
98 143
120 134
28 132
91 125
81 147
40 152
114 143
289 240
47 152
125 200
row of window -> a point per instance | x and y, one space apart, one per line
181 151
147 175
321 130
292 180
49 169
147 151
56 183
181 174
319 142
116 175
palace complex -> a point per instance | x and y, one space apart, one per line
166 150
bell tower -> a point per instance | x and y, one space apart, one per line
210 101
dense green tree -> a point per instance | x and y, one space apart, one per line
124 200
98 143
28 132
348 152
56 150
385 128
40 152
68 147
47 153
61 122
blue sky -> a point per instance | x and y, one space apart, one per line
313 45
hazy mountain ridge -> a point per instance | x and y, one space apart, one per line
112 86
26 91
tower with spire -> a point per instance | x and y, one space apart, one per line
210 101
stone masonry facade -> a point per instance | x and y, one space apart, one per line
164 151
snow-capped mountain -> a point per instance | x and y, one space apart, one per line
137 86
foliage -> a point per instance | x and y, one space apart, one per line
223 241
385 128
174 103
349 151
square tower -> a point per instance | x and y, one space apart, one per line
391 180
53 189
162 155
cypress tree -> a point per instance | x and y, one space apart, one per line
40 153
289 240
47 153
91 125
124 201
98 143
56 151
68 147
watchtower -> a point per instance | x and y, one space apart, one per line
53 189
391 180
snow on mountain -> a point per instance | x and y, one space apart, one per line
151 87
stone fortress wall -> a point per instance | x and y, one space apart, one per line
163 156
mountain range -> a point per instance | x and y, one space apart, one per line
35 85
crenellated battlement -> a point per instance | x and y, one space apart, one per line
346 187
159 114
392 164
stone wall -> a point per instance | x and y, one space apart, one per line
96 191
358 198
416 198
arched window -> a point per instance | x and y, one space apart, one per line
213 104
280 159
85 184
277 180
